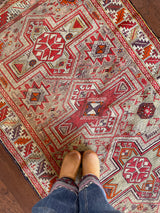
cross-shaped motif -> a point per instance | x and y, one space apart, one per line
92 109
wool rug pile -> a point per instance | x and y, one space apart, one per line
78 74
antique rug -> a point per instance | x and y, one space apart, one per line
82 75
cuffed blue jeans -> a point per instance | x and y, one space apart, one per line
67 197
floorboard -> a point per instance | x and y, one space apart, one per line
14 188
149 10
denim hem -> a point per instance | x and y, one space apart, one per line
66 183
68 180
87 180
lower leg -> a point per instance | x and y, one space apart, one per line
63 197
92 198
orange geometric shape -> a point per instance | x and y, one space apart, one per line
2 104
35 96
111 189
100 49
147 51
126 153
22 141
140 207
158 151
120 16
148 185
68 2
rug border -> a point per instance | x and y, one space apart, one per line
21 15
143 23
121 38
33 135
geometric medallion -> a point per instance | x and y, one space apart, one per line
146 110
93 111
34 96
100 49
49 47
137 169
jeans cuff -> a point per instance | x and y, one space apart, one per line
66 183
87 180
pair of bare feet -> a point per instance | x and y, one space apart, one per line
72 161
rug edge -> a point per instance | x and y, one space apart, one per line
143 23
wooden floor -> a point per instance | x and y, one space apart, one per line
150 11
16 194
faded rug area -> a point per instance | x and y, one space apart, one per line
82 75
